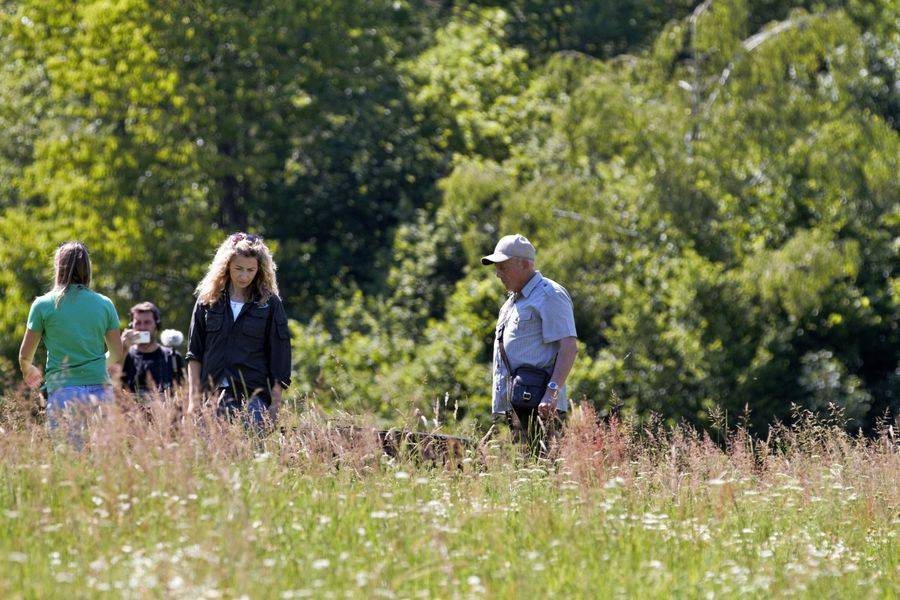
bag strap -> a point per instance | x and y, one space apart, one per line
502 350
500 332
168 357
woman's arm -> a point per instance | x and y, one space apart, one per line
194 357
193 369
116 354
114 343
30 373
278 350
278 346
275 406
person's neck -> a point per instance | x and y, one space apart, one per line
237 295
146 348
524 282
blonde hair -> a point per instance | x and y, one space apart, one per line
71 266
264 284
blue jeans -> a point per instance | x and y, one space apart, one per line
253 414
74 404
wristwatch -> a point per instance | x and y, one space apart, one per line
554 388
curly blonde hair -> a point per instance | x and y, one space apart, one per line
263 286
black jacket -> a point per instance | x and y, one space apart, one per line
164 366
252 352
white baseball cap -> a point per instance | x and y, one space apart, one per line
510 246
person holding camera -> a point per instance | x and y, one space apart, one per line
149 365
535 343
240 349
77 326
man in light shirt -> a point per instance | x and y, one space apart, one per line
538 328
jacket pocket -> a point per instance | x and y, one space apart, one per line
255 322
214 320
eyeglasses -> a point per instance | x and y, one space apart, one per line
237 237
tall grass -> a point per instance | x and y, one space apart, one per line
155 505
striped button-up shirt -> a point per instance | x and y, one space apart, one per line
533 322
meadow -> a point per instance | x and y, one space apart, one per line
713 182
154 506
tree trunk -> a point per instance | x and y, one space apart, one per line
232 215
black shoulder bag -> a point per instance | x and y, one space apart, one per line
528 383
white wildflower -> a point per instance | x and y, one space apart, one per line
614 483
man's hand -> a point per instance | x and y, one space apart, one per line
547 406
33 376
129 338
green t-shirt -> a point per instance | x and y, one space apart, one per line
74 335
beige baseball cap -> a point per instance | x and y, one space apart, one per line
510 246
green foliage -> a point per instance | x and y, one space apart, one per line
468 81
595 27
717 210
795 277
472 204
830 387
380 363
135 126
721 203
100 161
717 30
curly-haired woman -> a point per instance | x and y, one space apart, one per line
239 347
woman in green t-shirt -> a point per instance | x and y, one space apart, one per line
77 325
